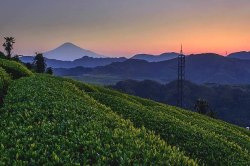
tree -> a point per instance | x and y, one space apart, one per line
8 45
2 56
49 70
16 58
39 63
29 66
202 107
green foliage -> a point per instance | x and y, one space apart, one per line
15 69
49 70
29 66
202 107
2 56
16 58
211 141
82 86
51 121
39 63
4 82
227 102
8 45
60 121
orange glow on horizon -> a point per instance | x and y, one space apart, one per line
129 28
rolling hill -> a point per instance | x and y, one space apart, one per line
156 58
83 61
201 68
229 102
58 121
240 55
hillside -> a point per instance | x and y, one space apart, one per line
57 121
83 62
201 68
240 55
229 102
156 58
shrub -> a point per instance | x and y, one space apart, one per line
15 69
219 146
4 82
82 86
2 56
53 122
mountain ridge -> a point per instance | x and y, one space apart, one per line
200 68
83 61
156 58
240 55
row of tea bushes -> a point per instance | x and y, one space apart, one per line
4 82
14 69
51 121
211 148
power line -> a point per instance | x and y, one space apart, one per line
181 77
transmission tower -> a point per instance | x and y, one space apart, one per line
181 77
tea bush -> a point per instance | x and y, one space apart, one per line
4 82
15 69
59 121
222 138
51 121
198 137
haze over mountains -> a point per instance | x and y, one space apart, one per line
70 52
240 55
156 58
69 55
85 61
201 68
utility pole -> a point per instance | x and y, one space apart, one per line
181 77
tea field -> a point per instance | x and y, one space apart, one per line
46 120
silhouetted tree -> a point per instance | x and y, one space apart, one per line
16 58
202 107
2 55
39 63
8 45
49 70
29 66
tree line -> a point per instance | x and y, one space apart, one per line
38 65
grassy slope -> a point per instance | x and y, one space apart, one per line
5 80
14 69
52 121
62 121
213 142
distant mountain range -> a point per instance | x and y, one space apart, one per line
230 103
72 60
70 52
84 62
156 58
240 55
200 68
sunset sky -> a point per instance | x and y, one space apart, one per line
127 27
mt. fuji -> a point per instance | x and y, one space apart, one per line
70 52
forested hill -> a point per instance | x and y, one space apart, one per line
58 121
229 102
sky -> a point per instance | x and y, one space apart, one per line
127 27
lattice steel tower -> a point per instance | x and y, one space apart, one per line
181 78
